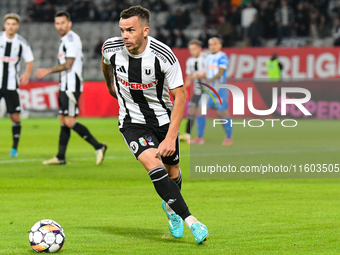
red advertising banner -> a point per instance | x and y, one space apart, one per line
298 63
246 65
95 100
41 95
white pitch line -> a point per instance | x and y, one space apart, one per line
264 152
15 161
11 161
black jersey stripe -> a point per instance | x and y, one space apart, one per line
161 48
115 41
160 85
113 47
16 64
164 49
113 44
5 65
170 61
135 75
66 87
78 82
127 118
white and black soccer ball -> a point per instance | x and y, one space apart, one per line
46 236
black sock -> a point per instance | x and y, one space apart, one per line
178 181
169 191
190 123
64 136
16 129
86 135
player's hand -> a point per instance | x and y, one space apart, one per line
166 148
41 73
24 79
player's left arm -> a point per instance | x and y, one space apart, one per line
222 64
25 77
221 70
168 146
174 78
42 72
28 58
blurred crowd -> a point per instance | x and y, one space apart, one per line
250 21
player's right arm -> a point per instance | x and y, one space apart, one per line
108 75
42 72
108 50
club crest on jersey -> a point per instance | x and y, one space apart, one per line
136 86
134 147
147 71
142 141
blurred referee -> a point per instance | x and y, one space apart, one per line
13 48
70 58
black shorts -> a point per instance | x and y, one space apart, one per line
140 137
12 100
194 100
66 106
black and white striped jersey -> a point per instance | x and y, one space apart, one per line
11 53
142 82
71 47
196 66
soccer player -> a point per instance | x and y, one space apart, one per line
194 66
13 48
139 71
70 57
216 73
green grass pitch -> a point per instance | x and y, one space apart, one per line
113 208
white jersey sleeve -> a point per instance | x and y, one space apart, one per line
71 47
188 67
110 47
173 75
27 53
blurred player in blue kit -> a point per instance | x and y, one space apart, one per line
216 65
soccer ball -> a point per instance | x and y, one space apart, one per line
46 236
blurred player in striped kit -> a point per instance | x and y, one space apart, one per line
216 73
70 59
195 65
13 48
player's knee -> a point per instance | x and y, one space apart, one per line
173 171
15 117
69 122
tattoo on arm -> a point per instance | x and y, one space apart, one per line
62 67
108 75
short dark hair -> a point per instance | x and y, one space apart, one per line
63 13
139 11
